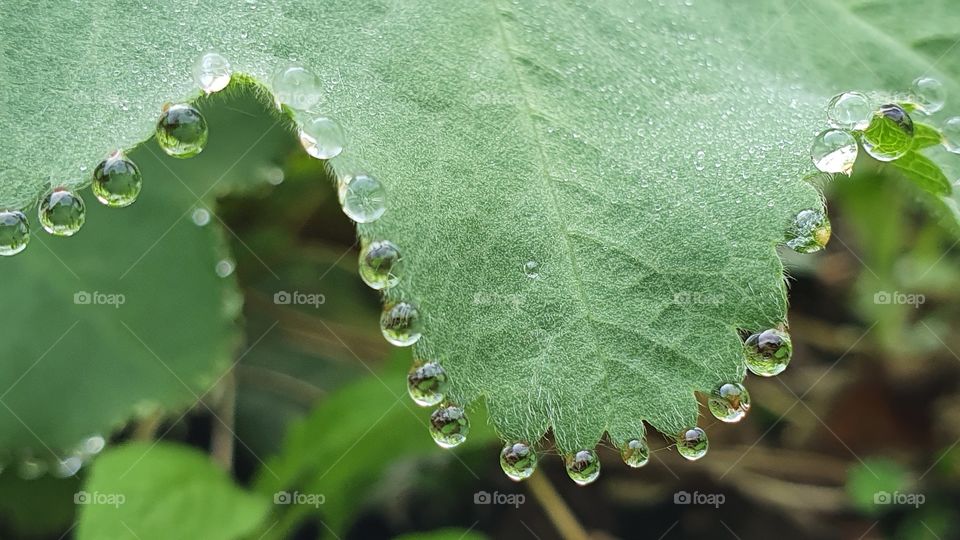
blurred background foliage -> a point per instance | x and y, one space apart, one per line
868 406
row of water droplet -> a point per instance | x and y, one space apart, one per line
29 467
885 131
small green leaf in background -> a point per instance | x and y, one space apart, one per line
143 491
871 484
444 534
923 172
925 136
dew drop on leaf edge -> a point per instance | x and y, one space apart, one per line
890 133
729 403
518 460
583 466
322 137
635 452
809 232
850 110
834 151
182 131
14 232
427 383
363 197
400 324
692 443
928 94
768 353
296 87
212 72
117 181
380 263
449 426
62 212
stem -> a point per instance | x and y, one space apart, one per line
146 428
221 438
557 510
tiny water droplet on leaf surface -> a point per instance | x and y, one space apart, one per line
583 467
692 443
768 352
809 232
890 133
834 151
531 269
729 403
182 131
518 460
400 324
850 110
117 181
449 426
635 452
62 212
14 232
380 263
427 383
364 198
322 137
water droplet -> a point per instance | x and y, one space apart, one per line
296 87
200 217
182 131
116 181
834 151
531 269
583 467
426 383
364 198
380 264
768 352
449 426
224 268
692 443
322 137
850 110
31 468
518 460
928 94
730 402
809 232
400 324
62 212
635 452
890 133
951 135
14 232
67 467
92 445
212 72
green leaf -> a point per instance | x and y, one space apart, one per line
444 534
923 172
871 484
925 136
645 158
143 491
158 329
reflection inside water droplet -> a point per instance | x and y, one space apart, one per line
449 426
400 324
364 198
768 352
692 443
211 72
322 137
889 135
809 232
834 151
729 403
635 452
14 232
380 264
117 181
62 212
583 467
182 131
427 383
518 460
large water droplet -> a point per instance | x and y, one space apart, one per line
850 110
928 94
692 443
364 198
635 452
518 460
322 137
449 426
400 324
212 72
182 131
427 383
297 88
768 352
890 133
117 181
834 151
809 232
583 467
14 232
951 135
730 402
62 212
380 264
